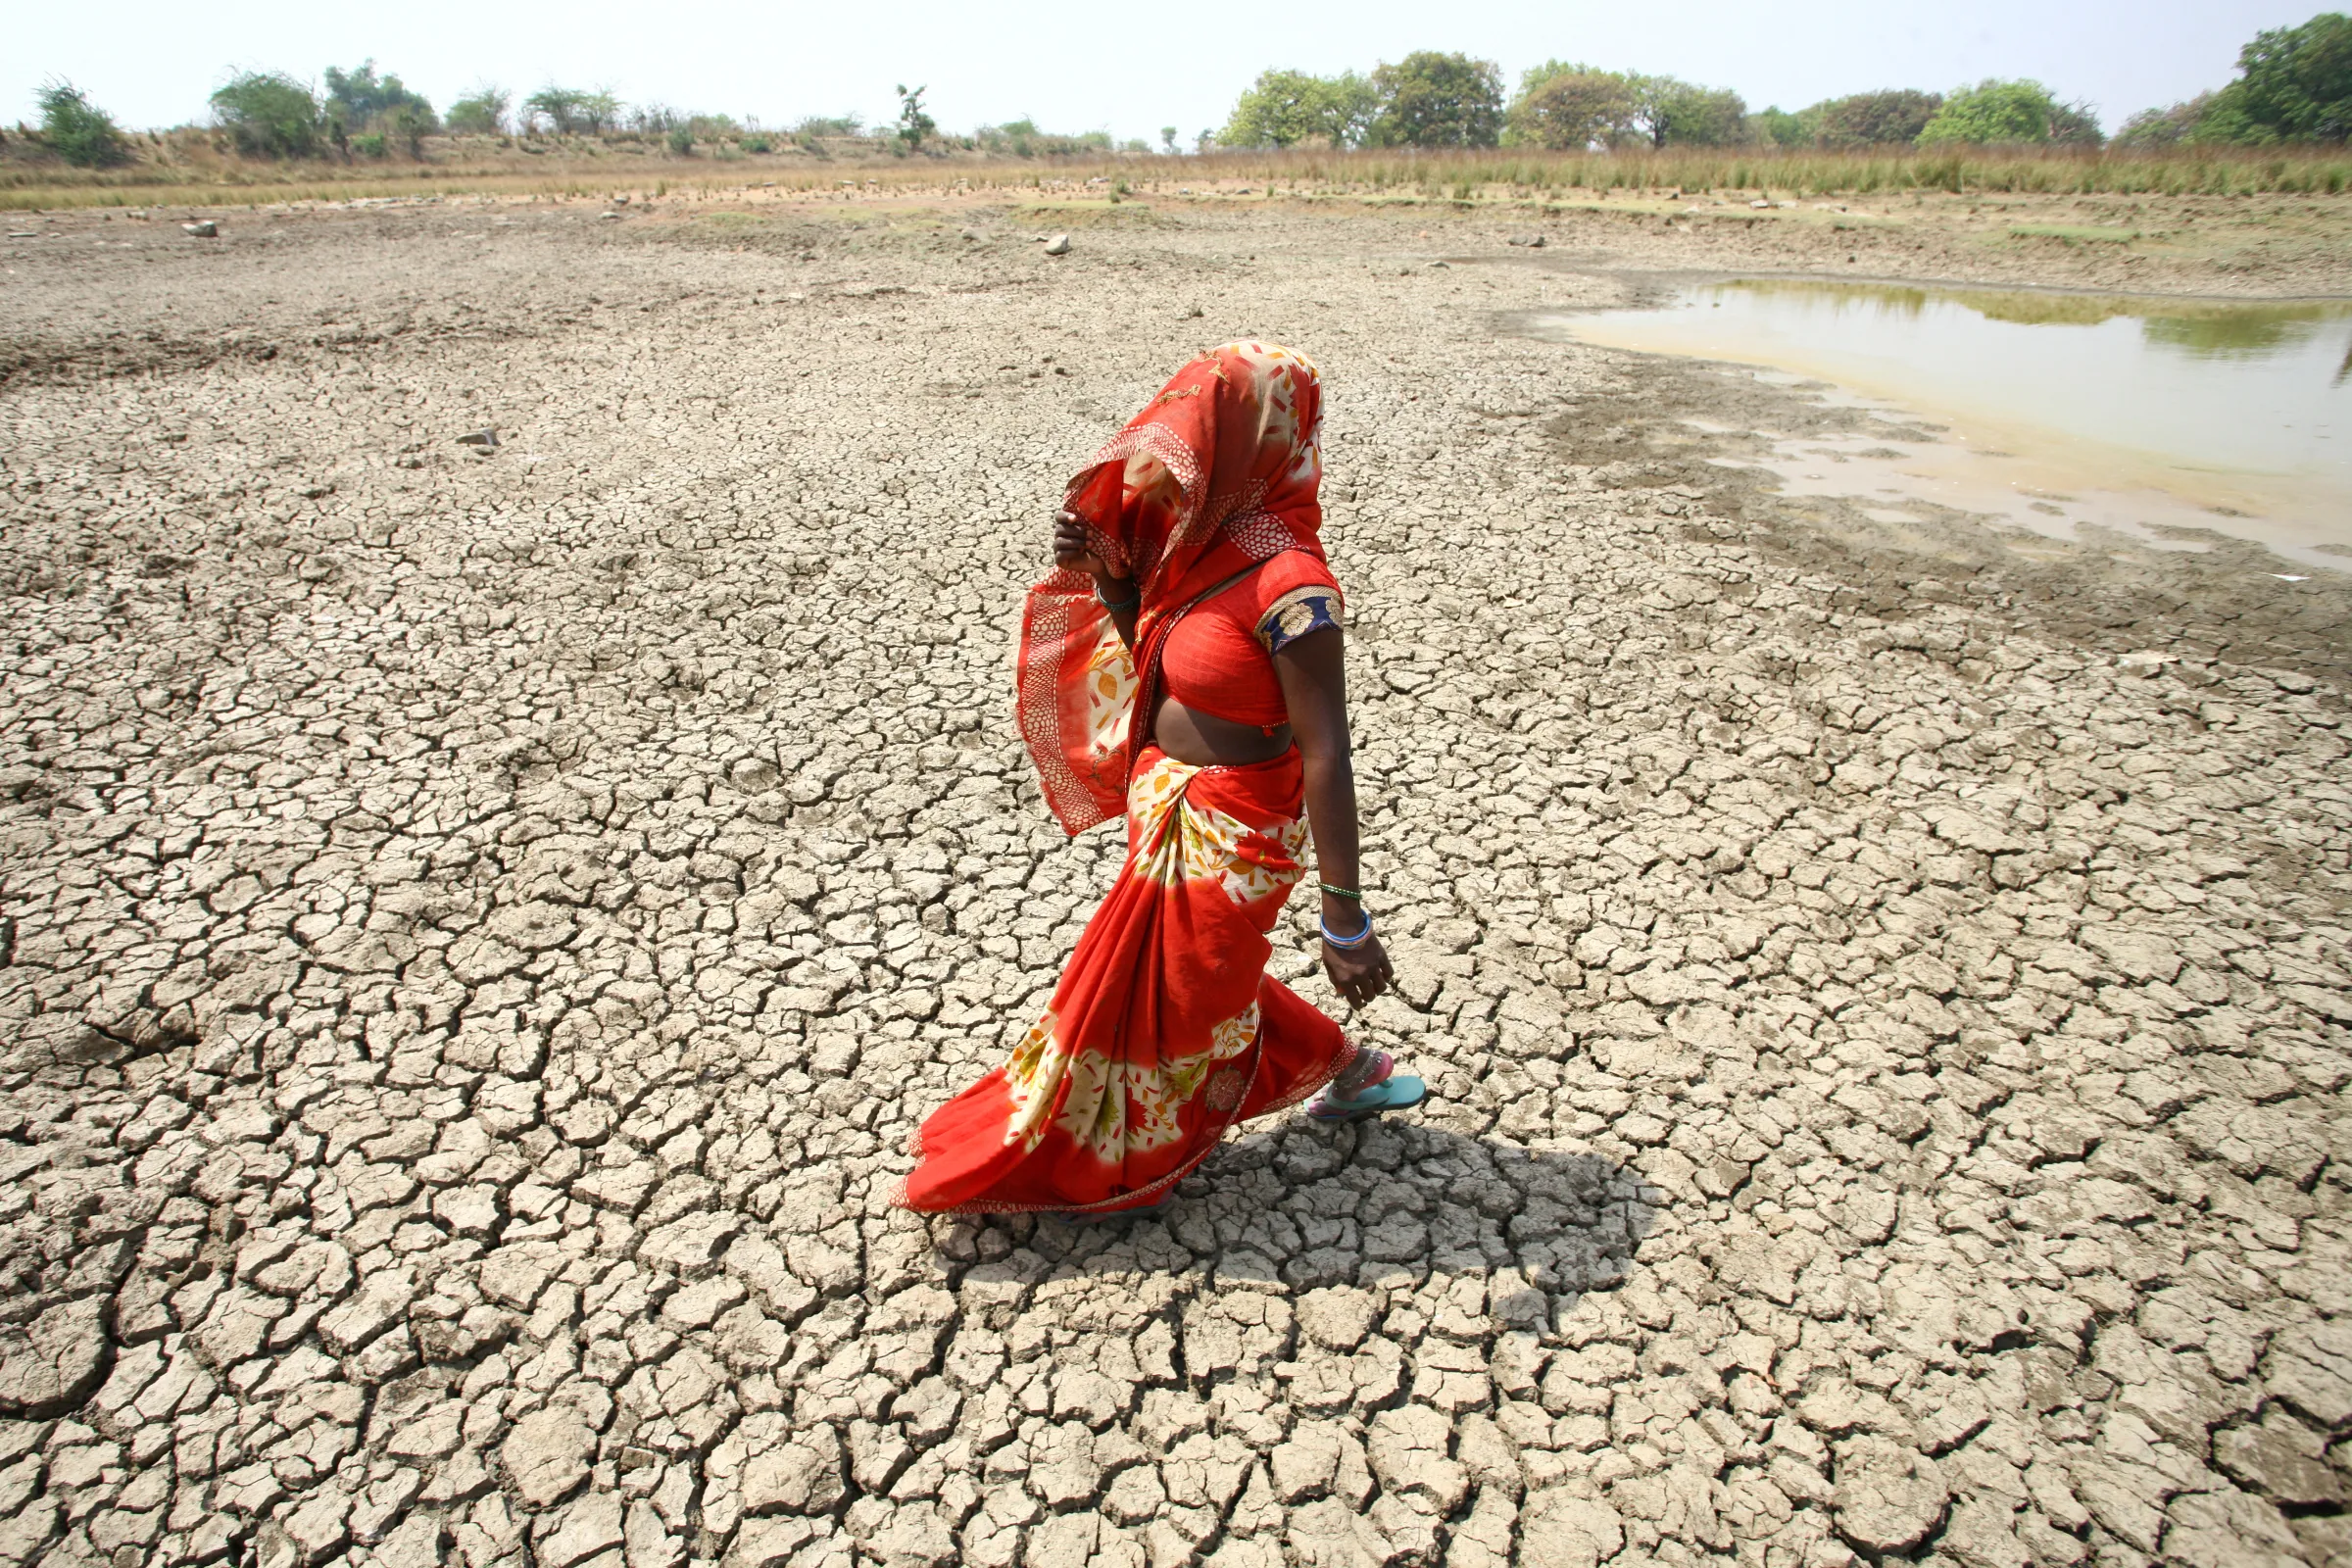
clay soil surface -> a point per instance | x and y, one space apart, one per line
478 924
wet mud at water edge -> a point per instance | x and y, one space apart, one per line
1697 434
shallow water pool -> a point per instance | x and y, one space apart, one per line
2137 414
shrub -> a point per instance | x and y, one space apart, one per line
363 97
1569 108
1782 128
1285 108
1429 99
2074 126
1874 118
481 111
1020 138
371 145
268 114
757 143
1675 112
681 141
77 130
409 126
570 111
1993 111
2162 128
915 125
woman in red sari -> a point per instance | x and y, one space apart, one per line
1182 667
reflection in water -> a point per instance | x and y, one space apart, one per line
2200 326
2158 412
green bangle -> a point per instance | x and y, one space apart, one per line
1337 891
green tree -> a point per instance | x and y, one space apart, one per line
1167 140
2164 127
570 111
915 126
559 109
1571 106
1993 111
1284 108
267 114
1785 129
363 97
78 130
2076 126
1429 99
480 113
1673 111
1874 118
2295 84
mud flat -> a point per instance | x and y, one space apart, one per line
480 924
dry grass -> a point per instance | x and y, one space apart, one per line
185 170
2055 171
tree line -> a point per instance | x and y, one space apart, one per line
2293 84
363 114
1437 100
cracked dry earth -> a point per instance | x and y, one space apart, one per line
478 932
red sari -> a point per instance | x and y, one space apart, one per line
1166 1029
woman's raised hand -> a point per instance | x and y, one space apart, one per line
1071 552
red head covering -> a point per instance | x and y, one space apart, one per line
1219 471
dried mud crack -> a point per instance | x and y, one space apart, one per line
478 928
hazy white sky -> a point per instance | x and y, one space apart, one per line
1084 65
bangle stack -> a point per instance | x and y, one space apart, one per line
1349 943
1129 603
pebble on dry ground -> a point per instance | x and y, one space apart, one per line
478 928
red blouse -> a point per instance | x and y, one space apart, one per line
1220 657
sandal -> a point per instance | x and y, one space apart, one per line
1385 1092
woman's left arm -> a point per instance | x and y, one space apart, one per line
1313 674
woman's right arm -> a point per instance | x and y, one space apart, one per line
1071 553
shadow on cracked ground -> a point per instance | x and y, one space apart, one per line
1379 1203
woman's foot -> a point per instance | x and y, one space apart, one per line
1368 1086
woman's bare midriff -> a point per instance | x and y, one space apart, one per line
1207 741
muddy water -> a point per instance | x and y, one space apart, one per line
2148 417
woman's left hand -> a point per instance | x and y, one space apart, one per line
1359 973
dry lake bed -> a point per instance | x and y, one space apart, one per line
478 924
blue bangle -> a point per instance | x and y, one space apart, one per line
1337 941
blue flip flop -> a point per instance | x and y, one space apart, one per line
1401 1092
